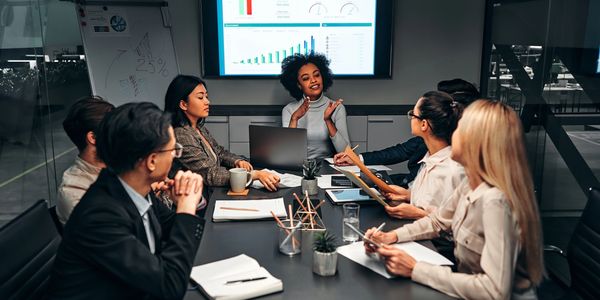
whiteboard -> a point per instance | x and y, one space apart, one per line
129 51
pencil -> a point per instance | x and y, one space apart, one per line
291 225
299 201
309 204
315 208
283 226
238 208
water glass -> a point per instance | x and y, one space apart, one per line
351 217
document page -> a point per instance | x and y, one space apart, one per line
356 253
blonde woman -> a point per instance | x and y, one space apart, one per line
493 215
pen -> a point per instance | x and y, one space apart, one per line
245 280
378 228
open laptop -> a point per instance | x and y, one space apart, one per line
277 147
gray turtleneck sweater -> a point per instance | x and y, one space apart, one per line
320 144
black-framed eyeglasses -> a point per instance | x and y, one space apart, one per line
411 114
176 152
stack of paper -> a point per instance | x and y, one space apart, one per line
356 253
356 169
228 210
286 180
239 277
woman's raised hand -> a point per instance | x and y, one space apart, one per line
331 108
301 111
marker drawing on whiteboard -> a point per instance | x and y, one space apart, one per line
143 48
132 84
120 52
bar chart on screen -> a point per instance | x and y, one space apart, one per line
276 56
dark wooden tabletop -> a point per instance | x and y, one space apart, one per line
258 239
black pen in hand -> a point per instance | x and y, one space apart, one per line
245 280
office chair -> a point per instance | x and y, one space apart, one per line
54 216
583 255
28 245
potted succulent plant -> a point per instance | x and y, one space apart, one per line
325 254
309 183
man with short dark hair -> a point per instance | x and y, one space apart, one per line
120 241
81 122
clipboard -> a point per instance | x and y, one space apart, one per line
376 180
360 183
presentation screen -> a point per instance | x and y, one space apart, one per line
598 62
252 37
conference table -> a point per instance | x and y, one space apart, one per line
258 239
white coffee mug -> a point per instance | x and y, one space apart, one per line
239 179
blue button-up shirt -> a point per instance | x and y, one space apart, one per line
143 205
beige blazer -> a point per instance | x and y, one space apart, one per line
487 247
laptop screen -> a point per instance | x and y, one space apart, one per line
277 147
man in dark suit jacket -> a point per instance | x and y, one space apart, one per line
120 241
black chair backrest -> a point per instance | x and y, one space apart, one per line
54 216
28 245
584 250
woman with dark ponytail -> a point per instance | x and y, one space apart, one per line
434 118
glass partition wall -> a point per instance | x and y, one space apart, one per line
42 72
541 58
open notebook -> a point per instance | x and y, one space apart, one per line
214 278
231 210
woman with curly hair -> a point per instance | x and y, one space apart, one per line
306 78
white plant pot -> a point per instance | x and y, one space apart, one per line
310 185
325 264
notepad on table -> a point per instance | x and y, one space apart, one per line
230 210
239 277
356 253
